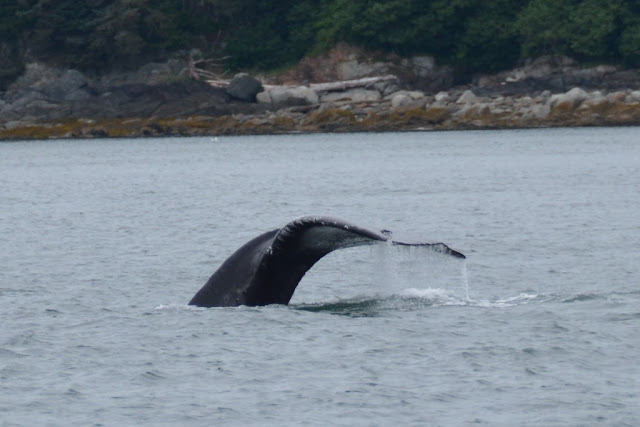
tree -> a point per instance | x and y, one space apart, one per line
490 40
472 35
543 27
593 28
334 22
11 63
628 44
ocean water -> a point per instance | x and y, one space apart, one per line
103 243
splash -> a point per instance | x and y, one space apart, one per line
416 299
429 297
398 268
177 307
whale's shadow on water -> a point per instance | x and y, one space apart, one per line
351 308
420 299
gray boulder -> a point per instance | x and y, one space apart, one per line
244 87
353 69
535 111
617 97
634 96
351 95
264 97
442 96
288 96
405 98
423 65
574 97
387 87
467 97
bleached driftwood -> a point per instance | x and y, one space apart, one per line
350 84
323 87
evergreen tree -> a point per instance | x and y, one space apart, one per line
472 35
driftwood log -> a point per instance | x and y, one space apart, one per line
324 87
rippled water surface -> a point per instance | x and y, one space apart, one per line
102 244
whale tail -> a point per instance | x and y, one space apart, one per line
267 269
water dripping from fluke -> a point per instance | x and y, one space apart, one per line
399 269
465 280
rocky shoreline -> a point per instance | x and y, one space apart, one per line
159 100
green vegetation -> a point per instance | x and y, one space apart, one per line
472 35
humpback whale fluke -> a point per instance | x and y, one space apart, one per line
267 269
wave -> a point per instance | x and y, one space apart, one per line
411 299
178 307
417 299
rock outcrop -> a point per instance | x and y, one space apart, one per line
557 74
244 87
346 62
47 102
46 94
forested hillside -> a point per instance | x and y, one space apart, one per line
472 35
